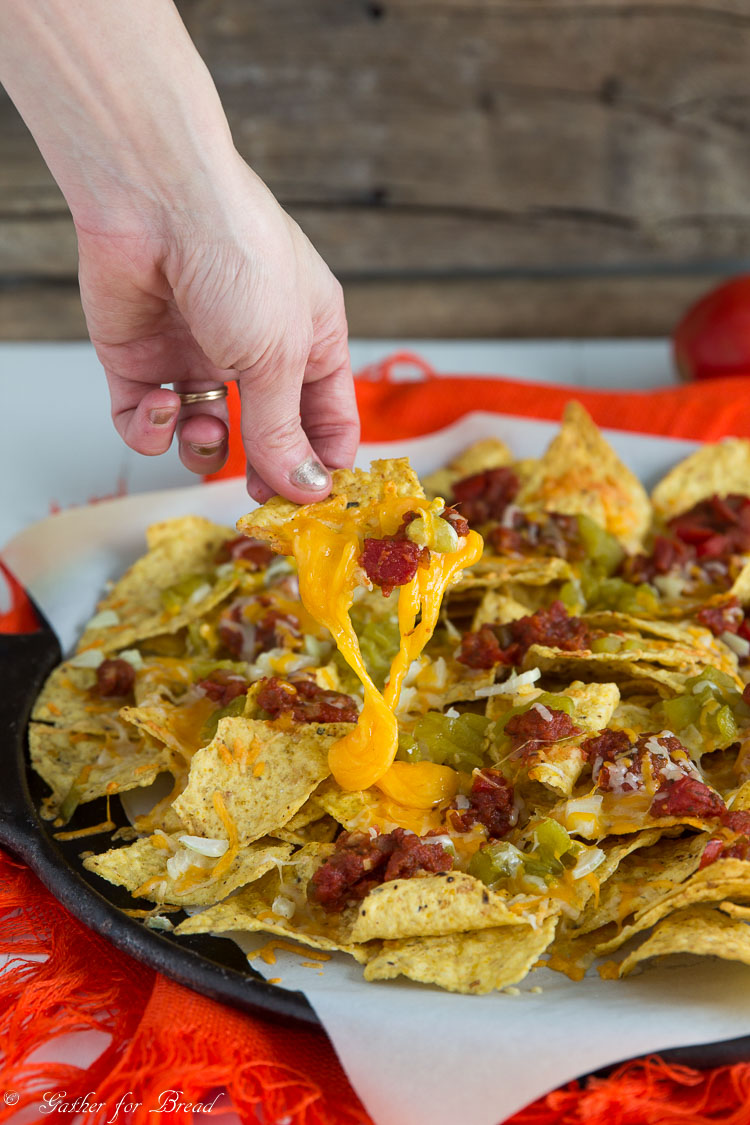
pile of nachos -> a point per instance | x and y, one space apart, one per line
458 728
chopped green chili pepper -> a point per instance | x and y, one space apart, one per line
497 861
603 549
236 707
175 596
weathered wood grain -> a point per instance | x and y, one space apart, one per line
633 306
413 139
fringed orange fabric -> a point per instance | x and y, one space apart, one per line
62 979
648 1092
391 410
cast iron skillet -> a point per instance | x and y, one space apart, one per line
212 966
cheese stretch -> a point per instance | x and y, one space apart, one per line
329 571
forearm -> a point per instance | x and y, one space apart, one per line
120 103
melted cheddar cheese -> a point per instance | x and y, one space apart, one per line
328 565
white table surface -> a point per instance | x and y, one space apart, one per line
59 449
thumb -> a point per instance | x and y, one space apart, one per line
277 449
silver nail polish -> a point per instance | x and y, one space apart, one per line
310 474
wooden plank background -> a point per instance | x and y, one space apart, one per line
467 167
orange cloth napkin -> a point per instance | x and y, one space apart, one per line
165 1037
392 411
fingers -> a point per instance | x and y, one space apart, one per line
203 431
299 418
145 422
147 416
288 453
330 418
277 448
256 487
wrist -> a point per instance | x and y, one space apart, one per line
127 118
151 188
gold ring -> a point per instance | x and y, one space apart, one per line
203 396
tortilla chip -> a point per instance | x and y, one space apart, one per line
490 453
473 963
350 486
498 570
143 866
310 825
178 549
178 727
321 831
741 586
698 930
258 799
570 954
704 644
498 609
637 678
161 817
726 878
633 715
431 905
593 704
741 799
717 469
613 665
684 632
252 909
734 910
574 949
67 700
350 809
640 879
581 473
557 766
94 765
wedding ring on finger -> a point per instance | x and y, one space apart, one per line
190 398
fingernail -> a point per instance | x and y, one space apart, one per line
207 450
310 474
161 417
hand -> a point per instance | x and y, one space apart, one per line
232 290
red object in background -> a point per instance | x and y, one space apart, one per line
713 337
16 611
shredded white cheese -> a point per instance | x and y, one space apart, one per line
514 683
104 619
588 861
545 712
283 906
200 593
737 644
205 846
159 922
